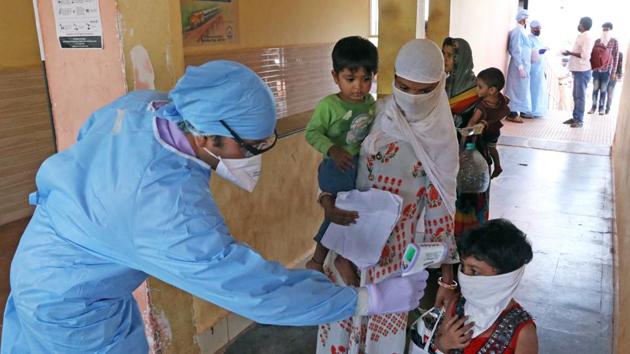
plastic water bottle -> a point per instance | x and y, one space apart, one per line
473 175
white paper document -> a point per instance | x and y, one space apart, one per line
363 242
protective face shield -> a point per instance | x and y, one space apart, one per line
241 172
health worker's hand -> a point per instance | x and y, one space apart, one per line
343 160
396 294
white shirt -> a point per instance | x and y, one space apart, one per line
583 45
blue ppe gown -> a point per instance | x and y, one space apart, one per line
516 87
121 205
538 81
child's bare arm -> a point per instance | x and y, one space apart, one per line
476 117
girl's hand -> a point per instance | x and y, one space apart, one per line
445 296
454 334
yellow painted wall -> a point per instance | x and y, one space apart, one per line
397 25
439 20
621 176
155 25
272 23
18 42
487 38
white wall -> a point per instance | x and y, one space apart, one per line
485 25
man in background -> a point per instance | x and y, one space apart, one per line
613 81
605 73
580 67
537 79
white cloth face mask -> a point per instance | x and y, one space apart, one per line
241 172
416 107
487 296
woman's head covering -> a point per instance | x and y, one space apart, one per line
425 68
463 77
424 121
534 24
222 90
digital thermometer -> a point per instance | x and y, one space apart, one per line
417 257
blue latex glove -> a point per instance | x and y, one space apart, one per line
396 294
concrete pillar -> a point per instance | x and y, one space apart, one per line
399 22
439 20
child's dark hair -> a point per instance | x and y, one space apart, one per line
498 243
353 53
493 77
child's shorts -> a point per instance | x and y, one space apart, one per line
333 180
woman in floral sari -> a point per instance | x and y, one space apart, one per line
461 88
411 151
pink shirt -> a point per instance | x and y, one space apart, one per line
583 45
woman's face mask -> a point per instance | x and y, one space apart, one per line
241 172
416 99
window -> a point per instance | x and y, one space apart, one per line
373 18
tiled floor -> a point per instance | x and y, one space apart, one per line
563 201
598 130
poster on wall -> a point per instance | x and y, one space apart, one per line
78 23
209 22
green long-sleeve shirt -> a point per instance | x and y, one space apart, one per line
340 123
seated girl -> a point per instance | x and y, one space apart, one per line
486 318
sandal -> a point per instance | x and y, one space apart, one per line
516 119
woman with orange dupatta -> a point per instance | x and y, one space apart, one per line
461 87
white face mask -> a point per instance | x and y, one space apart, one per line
487 296
241 172
417 107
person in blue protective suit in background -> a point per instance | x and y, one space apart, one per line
537 78
131 199
517 85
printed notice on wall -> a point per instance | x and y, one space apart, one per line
78 23
207 22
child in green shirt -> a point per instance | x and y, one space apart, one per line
339 124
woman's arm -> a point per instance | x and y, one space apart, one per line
439 227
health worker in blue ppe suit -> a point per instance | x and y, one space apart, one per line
517 84
131 199
537 79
